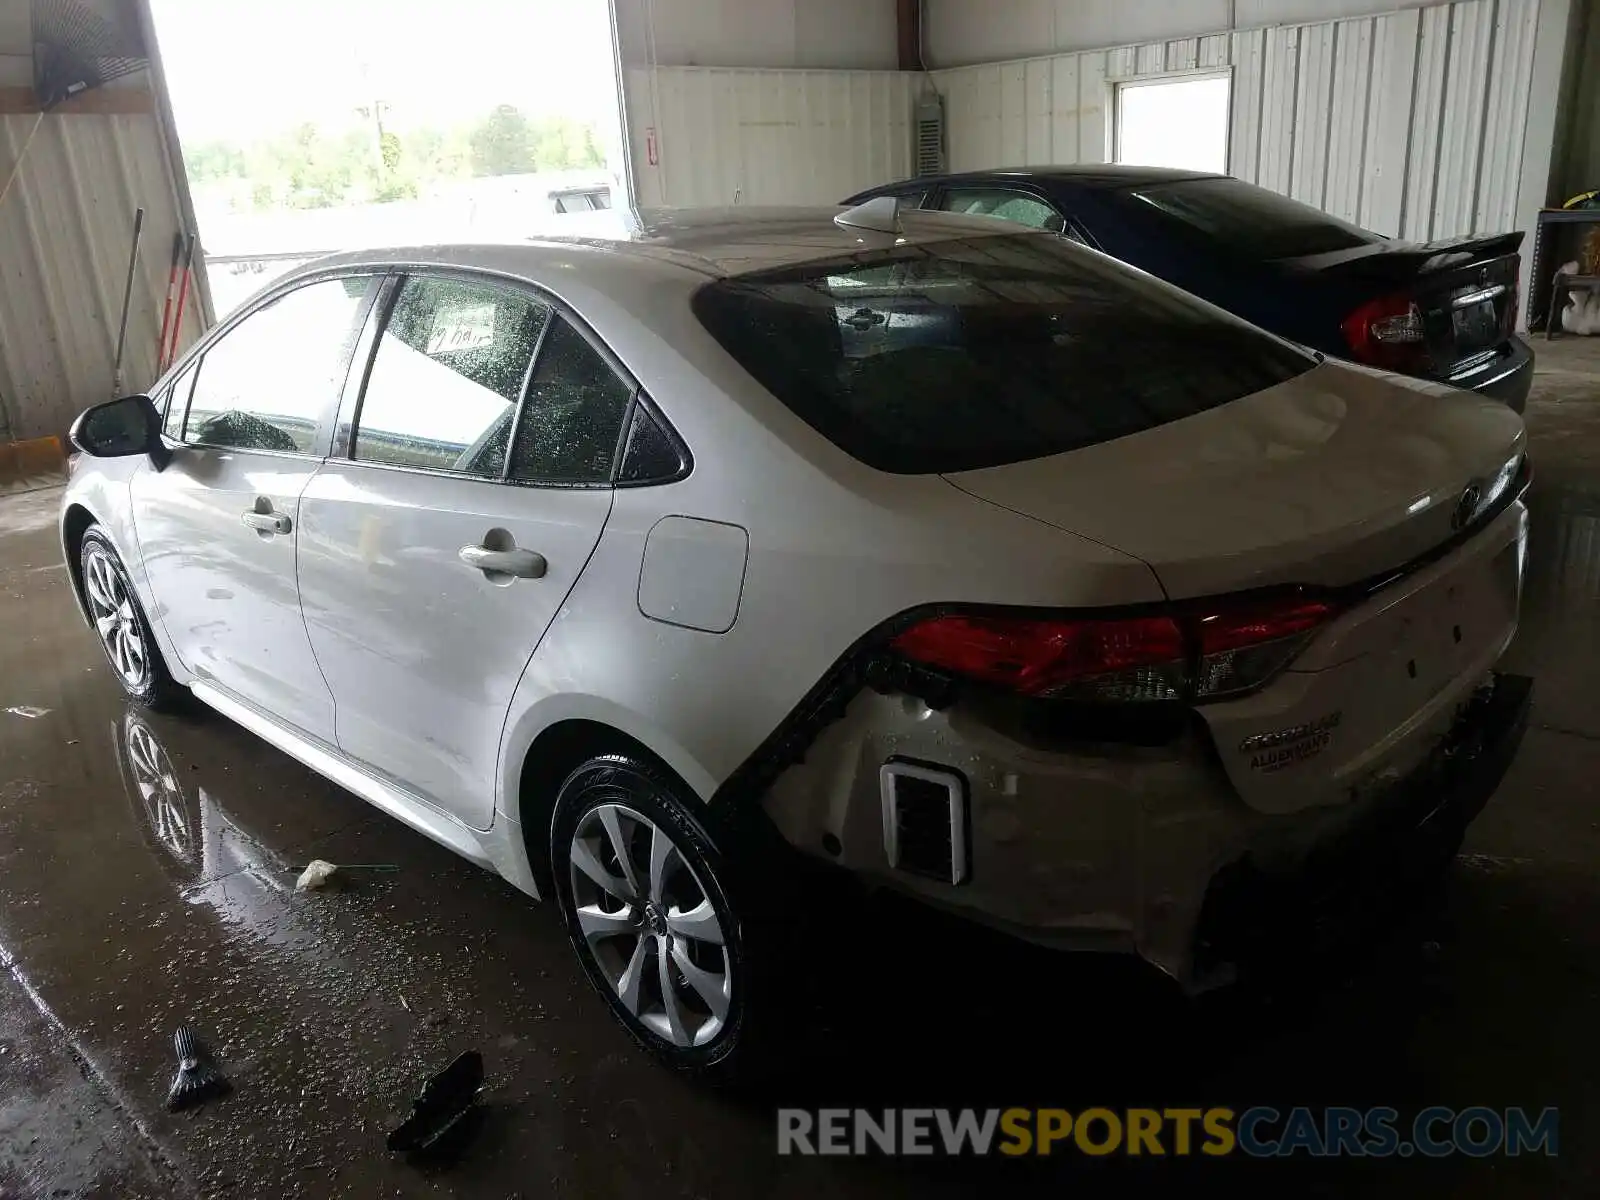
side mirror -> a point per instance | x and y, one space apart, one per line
120 429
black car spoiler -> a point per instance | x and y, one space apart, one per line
1398 261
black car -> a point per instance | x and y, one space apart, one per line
1445 310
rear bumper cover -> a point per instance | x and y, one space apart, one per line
1507 379
1257 922
1146 851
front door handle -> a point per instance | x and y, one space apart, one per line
523 564
268 522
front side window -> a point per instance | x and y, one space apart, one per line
981 351
448 371
573 417
1003 203
177 403
272 381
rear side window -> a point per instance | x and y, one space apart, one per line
447 376
1252 222
977 352
572 421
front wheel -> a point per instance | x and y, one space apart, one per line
666 927
122 627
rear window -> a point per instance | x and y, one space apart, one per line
978 352
1252 222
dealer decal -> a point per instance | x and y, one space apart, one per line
1286 747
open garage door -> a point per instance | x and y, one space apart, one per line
310 127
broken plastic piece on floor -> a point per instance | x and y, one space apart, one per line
319 872
31 711
198 1076
440 1106
315 876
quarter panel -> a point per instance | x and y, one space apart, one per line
826 566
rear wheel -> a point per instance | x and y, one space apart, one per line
120 623
669 930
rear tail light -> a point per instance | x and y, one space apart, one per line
1202 653
1387 332
1139 658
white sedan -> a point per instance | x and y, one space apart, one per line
958 559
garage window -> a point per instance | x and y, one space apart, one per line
1181 122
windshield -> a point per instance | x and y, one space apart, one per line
1253 222
973 353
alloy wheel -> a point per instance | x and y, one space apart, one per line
115 620
650 925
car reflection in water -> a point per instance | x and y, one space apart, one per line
201 847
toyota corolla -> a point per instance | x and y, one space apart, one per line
927 551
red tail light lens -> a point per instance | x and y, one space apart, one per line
1205 654
1140 658
1387 332
1242 646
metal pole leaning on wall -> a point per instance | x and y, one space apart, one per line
127 296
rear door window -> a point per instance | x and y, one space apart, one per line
1252 222
447 376
974 352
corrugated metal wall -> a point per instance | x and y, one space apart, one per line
65 231
713 136
1410 123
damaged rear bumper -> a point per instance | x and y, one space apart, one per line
1145 850
1257 921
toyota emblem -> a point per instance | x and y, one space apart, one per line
1467 507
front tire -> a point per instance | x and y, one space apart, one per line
124 631
667 928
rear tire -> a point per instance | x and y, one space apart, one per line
672 932
123 629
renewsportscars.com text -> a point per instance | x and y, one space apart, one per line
1258 1132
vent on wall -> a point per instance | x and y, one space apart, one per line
929 148
78 45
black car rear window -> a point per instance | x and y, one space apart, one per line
977 352
1252 222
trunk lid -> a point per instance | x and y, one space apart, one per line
1332 477
1465 290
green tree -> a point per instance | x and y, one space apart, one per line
503 143
389 146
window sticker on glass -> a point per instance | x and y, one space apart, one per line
464 328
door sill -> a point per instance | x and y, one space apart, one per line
332 765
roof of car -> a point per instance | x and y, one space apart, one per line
1092 175
710 241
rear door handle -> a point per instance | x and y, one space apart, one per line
524 564
268 522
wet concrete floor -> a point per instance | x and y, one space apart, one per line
146 879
